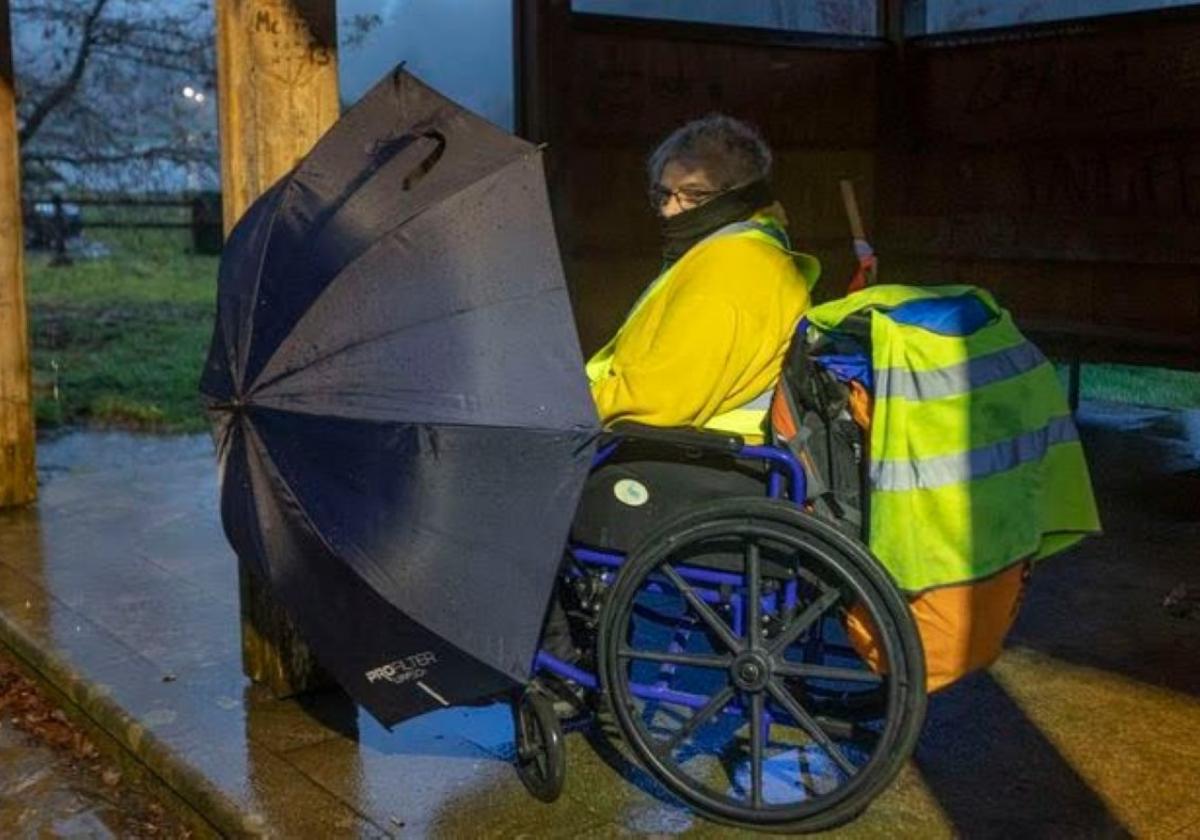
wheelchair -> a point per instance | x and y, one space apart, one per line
710 604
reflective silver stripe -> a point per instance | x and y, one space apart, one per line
957 379
749 225
758 407
930 473
734 227
737 227
760 403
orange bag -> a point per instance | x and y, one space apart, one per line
962 628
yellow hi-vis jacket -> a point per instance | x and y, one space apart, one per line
704 344
975 462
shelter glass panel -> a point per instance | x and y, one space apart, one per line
837 17
958 15
472 64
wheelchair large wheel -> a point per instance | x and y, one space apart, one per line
541 750
724 655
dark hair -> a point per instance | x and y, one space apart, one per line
731 152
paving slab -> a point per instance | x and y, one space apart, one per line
118 587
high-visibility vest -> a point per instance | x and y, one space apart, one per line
974 460
749 418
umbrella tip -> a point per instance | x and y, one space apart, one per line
235 405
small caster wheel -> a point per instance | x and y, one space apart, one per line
541 751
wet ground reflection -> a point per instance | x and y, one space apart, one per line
123 572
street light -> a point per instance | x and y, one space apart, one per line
196 97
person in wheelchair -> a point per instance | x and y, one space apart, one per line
764 622
704 344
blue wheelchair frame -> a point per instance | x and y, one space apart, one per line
784 467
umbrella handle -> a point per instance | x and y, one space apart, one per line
422 169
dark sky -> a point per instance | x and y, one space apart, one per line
461 47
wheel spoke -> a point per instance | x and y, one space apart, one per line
693 659
811 727
754 594
522 726
713 706
803 621
705 612
756 749
824 672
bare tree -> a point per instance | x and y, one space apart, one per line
101 86
850 17
355 28
120 94
956 15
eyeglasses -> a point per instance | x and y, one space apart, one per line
686 196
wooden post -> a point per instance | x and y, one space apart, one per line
541 48
18 474
277 90
894 16
895 122
277 94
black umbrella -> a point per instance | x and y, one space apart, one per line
399 403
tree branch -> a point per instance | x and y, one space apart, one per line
158 58
67 87
170 152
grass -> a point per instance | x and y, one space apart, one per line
1160 387
120 340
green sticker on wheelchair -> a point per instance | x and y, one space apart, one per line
631 492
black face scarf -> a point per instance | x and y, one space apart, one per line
683 230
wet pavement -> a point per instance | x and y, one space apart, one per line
54 782
120 589
38 798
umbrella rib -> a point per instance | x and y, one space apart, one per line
362 254
280 377
244 362
265 455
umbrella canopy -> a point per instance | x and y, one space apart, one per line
398 399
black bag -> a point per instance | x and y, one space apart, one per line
811 417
